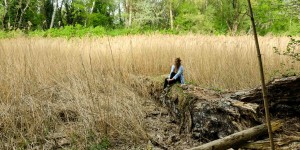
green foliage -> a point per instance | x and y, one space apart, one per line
80 31
101 15
11 34
284 73
292 51
120 17
276 17
188 16
103 145
2 34
97 19
74 31
145 17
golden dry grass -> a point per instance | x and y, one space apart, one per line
42 77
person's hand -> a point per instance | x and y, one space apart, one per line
170 80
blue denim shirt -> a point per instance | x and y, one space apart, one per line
179 74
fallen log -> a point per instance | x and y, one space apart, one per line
265 144
236 139
204 113
283 94
215 119
209 115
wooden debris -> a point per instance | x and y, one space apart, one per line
264 144
284 96
236 139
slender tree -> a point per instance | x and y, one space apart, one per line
47 13
23 11
129 11
261 70
4 14
120 13
19 5
60 13
53 13
69 12
171 15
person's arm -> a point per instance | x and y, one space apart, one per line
172 70
179 73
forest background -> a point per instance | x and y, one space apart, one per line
77 18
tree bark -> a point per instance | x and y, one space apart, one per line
239 138
126 6
264 144
5 6
284 96
120 13
92 9
130 15
171 16
54 13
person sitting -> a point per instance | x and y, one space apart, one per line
176 74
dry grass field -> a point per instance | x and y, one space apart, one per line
78 88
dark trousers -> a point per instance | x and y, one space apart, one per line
171 82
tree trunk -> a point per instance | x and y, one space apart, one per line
126 3
265 144
239 138
60 23
68 13
130 15
204 113
120 14
91 12
234 4
209 115
171 17
92 9
128 9
54 13
5 13
22 13
284 96
262 76
17 14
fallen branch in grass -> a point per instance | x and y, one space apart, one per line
236 139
